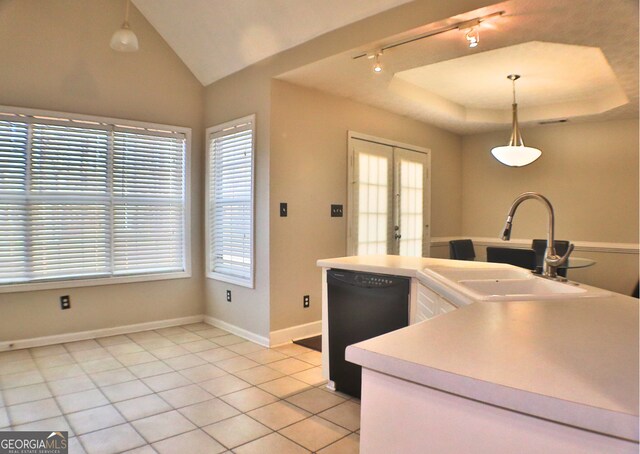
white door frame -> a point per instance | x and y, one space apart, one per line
353 135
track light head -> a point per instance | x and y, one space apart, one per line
377 67
473 37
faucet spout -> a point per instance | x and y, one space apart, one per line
506 232
551 260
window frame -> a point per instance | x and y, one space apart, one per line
248 283
27 115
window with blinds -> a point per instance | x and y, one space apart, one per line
230 201
84 198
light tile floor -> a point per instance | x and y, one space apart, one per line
186 389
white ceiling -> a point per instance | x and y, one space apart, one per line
590 73
216 38
476 87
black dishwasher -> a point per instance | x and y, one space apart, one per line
361 306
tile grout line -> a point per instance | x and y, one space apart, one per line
198 384
197 427
78 437
46 383
128 422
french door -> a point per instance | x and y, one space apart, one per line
388 210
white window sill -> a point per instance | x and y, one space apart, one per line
91 282
231 279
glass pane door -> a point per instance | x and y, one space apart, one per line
388 200
372 197
410 182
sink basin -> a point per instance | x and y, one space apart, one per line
460 274
519 289
499 282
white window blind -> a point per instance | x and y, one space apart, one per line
13 176
87 199
230 201
148 212
67 203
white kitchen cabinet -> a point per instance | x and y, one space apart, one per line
429 304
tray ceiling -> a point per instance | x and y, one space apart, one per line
554 86
578 60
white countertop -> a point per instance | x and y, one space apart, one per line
385 264
395 264
574 361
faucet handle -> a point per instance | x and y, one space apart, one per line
557 261
566 255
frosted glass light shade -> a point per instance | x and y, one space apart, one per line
516 155
124 40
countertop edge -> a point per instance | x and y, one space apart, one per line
607 422
380 269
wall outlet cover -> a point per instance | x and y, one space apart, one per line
65 302
305 301
283 210
229 296
336 211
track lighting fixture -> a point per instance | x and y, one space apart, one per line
470 27
473 37
377 66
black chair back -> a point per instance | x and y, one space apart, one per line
461 250
636 291
524 258
540 246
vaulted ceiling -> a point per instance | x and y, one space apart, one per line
215 38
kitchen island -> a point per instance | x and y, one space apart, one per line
557 375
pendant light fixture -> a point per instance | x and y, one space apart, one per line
124 40
516 154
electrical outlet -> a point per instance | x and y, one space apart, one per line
305 301
336 211
228 296
283 210
65 302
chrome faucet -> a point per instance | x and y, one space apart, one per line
551 260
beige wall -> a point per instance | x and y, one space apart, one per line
249 91
234 97
589 171
56 56
309 172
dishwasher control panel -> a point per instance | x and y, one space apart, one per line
373 281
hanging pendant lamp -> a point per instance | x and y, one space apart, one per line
124 40
516 154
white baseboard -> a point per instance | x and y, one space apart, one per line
284 336
253 337
587 246
92 334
